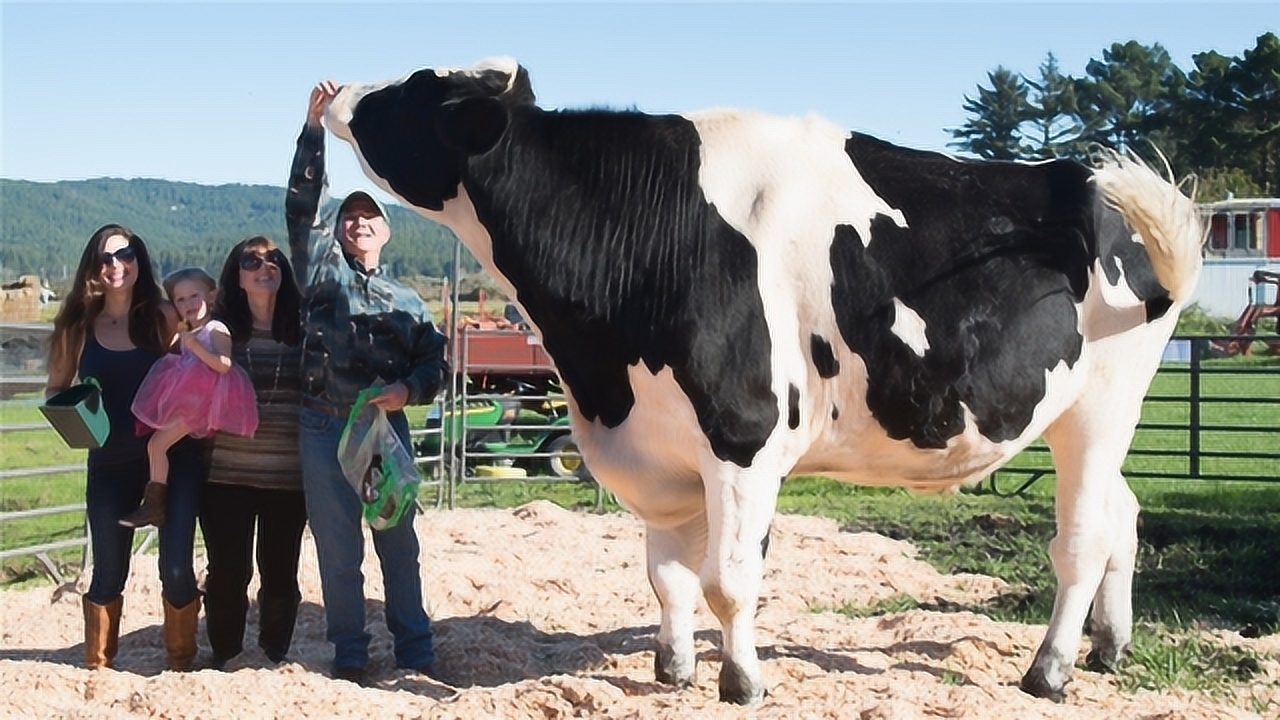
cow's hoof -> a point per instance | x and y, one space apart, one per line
1106 653
1034 684
1101 661
737 688
670 670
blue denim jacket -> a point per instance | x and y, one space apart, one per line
359 326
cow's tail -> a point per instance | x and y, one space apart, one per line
1165 218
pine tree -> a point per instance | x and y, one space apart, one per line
1257 75
994 131
1054 129
1229 118
1132 85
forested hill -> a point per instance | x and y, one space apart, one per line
44 226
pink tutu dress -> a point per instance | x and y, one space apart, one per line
182 386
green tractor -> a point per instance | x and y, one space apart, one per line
508 423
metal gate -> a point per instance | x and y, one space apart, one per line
504 418
1204 418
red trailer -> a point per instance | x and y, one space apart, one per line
1243 227
509 411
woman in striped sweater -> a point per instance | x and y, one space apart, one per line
256 483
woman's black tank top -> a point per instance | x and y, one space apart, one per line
120 372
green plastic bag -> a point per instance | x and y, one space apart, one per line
377 464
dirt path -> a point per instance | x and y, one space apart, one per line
542 612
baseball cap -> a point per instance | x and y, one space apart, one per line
357 196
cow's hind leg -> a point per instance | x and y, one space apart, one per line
1094 551
1112 617
674 556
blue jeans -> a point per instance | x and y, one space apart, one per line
334 511
114 489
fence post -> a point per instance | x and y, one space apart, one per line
1193 420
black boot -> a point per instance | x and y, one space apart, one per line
151 512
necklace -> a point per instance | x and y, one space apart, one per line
275 382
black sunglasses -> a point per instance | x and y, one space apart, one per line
253 261
125 254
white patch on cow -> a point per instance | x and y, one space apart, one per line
766 173
1109 309
909 327
337 117
786 183
651 461
1117 294
499 63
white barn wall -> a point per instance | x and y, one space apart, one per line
1224 285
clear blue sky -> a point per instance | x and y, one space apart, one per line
215 92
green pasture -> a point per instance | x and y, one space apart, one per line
1208 557
33 449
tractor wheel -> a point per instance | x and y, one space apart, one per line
566 461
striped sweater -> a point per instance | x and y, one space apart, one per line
270 459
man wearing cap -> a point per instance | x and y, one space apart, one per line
361 329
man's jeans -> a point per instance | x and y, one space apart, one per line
334 511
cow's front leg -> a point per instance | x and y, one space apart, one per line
674 554
740 506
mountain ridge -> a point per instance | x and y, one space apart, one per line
44 225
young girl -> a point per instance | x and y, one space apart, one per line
195 393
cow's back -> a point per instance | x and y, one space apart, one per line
925 311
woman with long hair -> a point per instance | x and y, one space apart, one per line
113 325
256 483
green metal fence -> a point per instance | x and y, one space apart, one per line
1204 418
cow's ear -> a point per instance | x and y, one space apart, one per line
473 125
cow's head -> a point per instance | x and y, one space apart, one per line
412 134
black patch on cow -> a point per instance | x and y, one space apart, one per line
824 360
993 258
599 222
793 406
1157 307
835 413
1118 252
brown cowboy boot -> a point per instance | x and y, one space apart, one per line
101 632
151 512
180 634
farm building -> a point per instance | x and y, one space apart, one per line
1244 237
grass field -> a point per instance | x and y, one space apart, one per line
1207 559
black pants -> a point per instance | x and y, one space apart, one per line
228 515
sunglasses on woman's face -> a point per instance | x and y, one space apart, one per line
125 254
253 261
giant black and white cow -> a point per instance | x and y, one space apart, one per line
731 298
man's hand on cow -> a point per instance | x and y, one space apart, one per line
392 398
321 95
